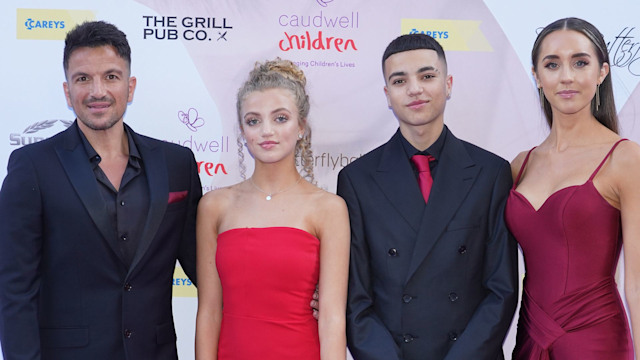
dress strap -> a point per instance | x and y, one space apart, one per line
524 164
605 158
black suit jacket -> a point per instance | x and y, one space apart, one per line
65 291
453 294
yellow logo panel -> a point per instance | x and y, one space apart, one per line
43 24
182 286
455 35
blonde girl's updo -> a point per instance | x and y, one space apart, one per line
280 74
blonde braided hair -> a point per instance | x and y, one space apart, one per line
279 73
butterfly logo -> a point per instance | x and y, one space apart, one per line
191 119
324 3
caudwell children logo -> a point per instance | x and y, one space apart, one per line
191 119
324 3
317 32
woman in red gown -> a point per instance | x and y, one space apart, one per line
265 243
574 204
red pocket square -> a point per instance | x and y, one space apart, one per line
176 196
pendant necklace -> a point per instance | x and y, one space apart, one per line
271 195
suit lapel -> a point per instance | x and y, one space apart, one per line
397 182
73 157
155 168
456 174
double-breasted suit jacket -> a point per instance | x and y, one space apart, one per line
436 281
66 293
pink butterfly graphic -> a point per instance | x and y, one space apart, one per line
191 119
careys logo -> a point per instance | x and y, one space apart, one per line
44 24
31 24
453 35
182 285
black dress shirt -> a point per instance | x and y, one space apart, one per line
127 207
434 150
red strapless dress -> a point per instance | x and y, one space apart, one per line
268 278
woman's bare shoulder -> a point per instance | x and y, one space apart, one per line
219 198
626 157
326 200
516 163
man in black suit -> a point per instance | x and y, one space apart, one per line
93 220
432 279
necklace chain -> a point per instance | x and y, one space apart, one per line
271 195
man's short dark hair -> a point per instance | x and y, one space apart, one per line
95 34
413 42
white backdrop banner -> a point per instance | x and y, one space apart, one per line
190 57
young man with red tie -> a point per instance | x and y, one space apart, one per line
433 272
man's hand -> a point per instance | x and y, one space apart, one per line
315 305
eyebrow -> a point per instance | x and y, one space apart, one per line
76 74
577 55
421 70
281 110
110 71
253 113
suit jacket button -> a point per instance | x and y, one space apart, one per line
407 338
453 336
462 249
392 252
128 333
453 297
127 287
407 298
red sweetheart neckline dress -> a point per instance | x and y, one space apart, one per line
571 308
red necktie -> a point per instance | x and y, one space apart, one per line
424 174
